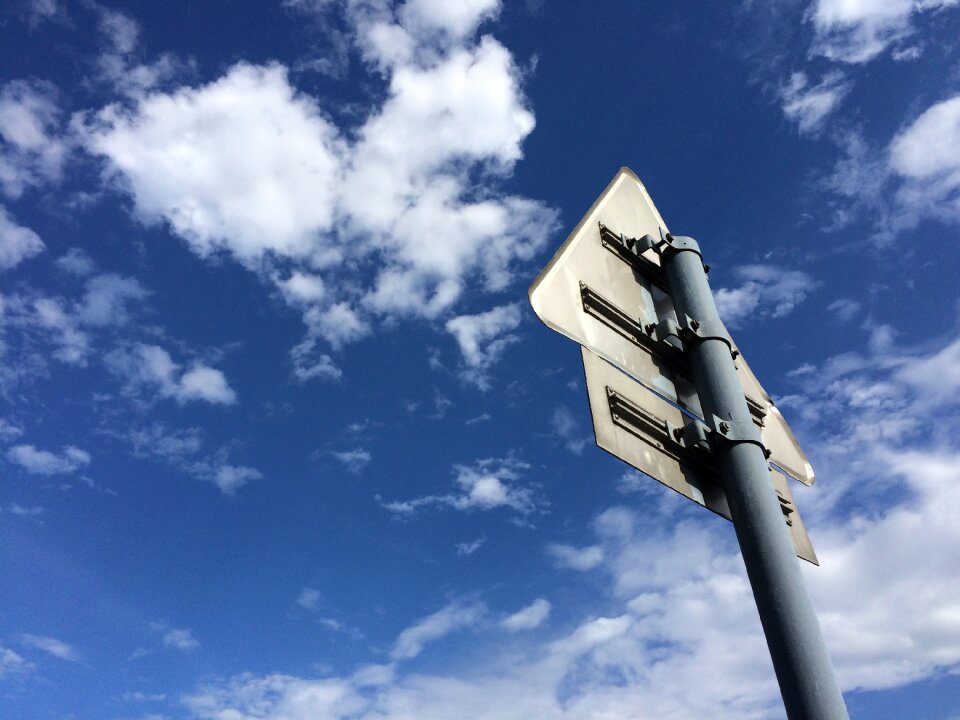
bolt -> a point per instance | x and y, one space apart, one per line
724 427
695 324
649 328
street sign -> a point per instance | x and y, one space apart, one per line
599 292
640 428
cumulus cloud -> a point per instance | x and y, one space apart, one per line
45 462
151 367
377 223
230 478
452 618
485 485
77 262
482 339
926 156
809 105
844 309
856 31
568 556
309 362
118 65
353 460
568 430
17 243
765 291
914 177
12 664
243 164
471 546
73 343
106 298
309 598
32 152
180 639
9 431
182 449
529 617
51 646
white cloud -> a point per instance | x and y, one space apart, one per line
117 64
309 598
377 223
485 485
17 243
230 478
338 324
765 291
106 298
926 155
916 176
470 547
42 10
180 639
32 152
44 462
810 105
25 512
150 366
452 618
302 288
77 262
529 617
856 31
243 164
582 559
51 646
457 18
354 460
567 429
9 431
182 449
309 362
74 343
483 338
12 664
844 309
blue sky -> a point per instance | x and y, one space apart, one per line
282 438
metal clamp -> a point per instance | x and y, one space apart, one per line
693 330
679 244
734 432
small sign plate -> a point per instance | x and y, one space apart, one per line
634 424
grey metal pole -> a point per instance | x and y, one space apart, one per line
800 660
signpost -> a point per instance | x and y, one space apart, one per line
682 406
602 294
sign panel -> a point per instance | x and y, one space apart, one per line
637 426
599 293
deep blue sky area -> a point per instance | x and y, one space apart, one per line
281 436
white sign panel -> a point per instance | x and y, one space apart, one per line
638 426
609 300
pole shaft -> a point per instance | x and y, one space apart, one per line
800 660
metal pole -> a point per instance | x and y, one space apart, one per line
803 668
